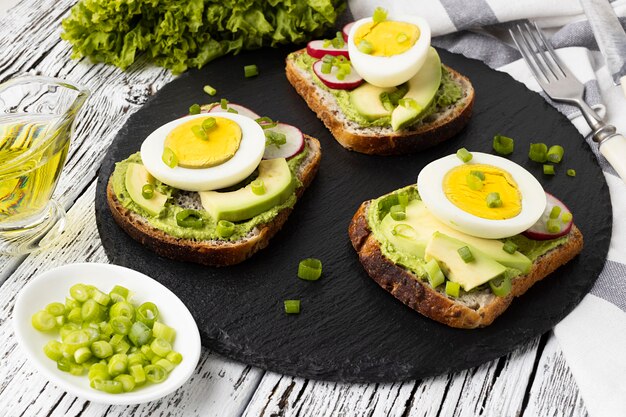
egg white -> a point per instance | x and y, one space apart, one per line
231 172
394 70
430 187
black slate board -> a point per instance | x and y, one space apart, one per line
349 328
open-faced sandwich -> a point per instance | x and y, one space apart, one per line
465 241
213 187
380 87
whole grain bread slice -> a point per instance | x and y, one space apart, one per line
212 252
471 310
434 129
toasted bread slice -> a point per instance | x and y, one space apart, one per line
212 252
434 129
471 310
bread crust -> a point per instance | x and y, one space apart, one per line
420 296
212 252
403 141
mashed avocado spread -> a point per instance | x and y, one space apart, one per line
167 220
379 208
449 93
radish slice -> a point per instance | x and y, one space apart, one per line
346 30
351 81
539 231
293 146
317 50
244 111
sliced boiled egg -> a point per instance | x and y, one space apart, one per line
388 53
461 195
229 153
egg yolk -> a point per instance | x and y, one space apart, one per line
496 180
221 143
388 37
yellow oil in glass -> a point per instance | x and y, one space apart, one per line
32 155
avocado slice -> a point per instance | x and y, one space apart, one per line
243 204
136 177
425 224
366 100
469 275
422 89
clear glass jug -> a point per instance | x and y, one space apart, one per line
37 117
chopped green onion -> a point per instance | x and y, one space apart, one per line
258 186
70 303
571 172
231 110
98 371
403 199
135 358
397 212
548 169
328 59
76 369
509 247
165 364
75 315
365 47
326 43
101 349
404 230
194 109
224 104
68 328
555 212
326 67
90 311
292 306
56 309
275 138
127 381
160 346
79 292
493 200
501 287
555 153
99 297
82 354
340 75
199 132
266 122
464 155
435 276
408 103
402 37
52 349
139 334
189 218
380 15
209 90
250 71
147 313
122 308
566 217
225 229
453 288
60 320
386 101
75 340
538 152
138 374
108 386
554 226
503 145
64 364
43 321
169 158
147 191
164 331
474 182
174 357
209 124
466 254
479 174
121 325
310 269
338 41
155 373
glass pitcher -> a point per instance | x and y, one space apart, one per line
37 117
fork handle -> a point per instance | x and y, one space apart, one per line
614 150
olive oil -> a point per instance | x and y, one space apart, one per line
33 149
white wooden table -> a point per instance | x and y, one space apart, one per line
534 380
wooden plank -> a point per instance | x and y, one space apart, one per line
495 388
554 392
219 387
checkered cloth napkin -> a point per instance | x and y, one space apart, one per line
593 336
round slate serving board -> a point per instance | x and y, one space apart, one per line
349 328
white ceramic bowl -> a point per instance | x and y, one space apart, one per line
54 285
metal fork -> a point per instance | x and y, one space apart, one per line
561 85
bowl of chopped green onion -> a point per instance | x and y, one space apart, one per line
106 333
